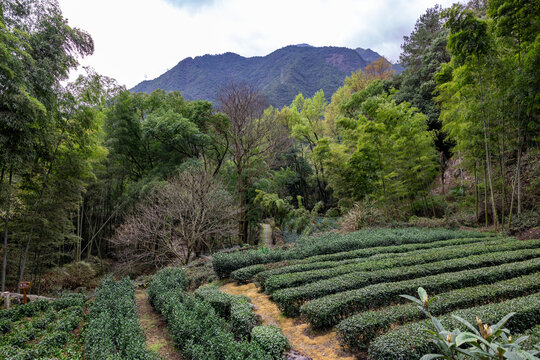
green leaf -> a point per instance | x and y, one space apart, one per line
422 293
466 337
432 356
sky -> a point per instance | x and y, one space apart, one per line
141 39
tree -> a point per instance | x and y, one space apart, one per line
470 46
186 216
253 136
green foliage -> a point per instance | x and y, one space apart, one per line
413 341
271 339
357 331
114 331
406 262
225 263
244 275
196 327
330 310
41 330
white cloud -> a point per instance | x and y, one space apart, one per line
135 39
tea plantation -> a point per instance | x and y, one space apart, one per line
352 283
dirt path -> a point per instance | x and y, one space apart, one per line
317 346
154 328
267 234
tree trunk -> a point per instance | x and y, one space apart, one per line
486 146
485 195
476 199
6 227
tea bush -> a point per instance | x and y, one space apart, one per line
271 339
225 263
329 310
380 252
411 342
423 257
195 326
114 330
357 331
289 300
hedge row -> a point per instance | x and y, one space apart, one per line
411 341
421 257
197 329
379 252
114 331
236 309
52 329
289 300
225 263
357 331
330 310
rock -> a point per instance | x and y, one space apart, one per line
295 355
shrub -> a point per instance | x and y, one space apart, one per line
380 252
421 257
220 301
290 299
243 320
357 331
113 329
244 275
411 341
329 310
196 328
225 263
271 339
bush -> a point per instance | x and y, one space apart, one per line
421 257
291 299
113 329
271 339
243 320
358 330
244 275
225 263
380 252
411 341
329 310
196 328
220 301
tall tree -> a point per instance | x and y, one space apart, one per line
254 134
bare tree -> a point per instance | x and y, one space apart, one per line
191 213
254 135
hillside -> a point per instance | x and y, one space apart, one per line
281 75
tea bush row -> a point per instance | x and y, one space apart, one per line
114 331
357 331
236 309
422 257
195 326
379 252
289 300
225 263
411 342
330 310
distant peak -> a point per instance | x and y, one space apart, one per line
303 45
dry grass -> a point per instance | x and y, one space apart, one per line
317 346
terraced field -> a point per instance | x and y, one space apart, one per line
352 283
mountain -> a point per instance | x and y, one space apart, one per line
281 75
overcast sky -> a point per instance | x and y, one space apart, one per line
141 39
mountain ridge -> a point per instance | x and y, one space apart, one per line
280 75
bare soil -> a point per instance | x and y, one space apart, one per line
155 328
318 346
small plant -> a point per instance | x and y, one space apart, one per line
486 342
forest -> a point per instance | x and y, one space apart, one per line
90 170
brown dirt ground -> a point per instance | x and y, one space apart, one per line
155 328
323 346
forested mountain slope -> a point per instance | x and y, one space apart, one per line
281 75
